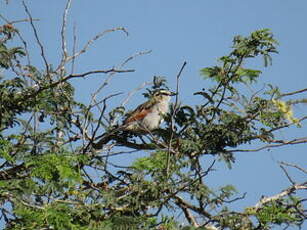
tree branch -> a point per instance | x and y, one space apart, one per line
63 31
279 143
64 79
287 174
294 165
284 193
36 37
91 41
120 66
173 117
294 92
184 206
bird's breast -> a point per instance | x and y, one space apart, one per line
153 120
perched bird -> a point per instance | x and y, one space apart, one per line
149 115
144 119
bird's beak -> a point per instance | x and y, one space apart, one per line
173 94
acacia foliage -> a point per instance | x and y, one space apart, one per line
56 173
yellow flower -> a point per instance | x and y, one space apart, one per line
281 105
286 110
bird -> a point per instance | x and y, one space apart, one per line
144 119
149 115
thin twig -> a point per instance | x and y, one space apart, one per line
126 100
230 78
287 125
97 71
63 30
74 48
185 208
99 120
284 193
280 143
135 55
36 37
111 154
108 79
287 174
106 82
25 47
17 21
294 166
177 84
173 117
235 199
68 77
91 41
292 93
132 92
179 201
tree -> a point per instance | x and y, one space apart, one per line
51 145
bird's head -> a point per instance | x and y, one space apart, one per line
163 95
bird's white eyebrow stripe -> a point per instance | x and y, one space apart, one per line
164 93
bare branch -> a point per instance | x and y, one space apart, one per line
74 48
279 143
95 72
90 42
125 101
177 84
132 92
186 211
235 199
17 21
294 92
18 171
134 56
180 202
25 47
121 142
294 166
63 30
288 124
106 82
36 37
108 79
64 79
287 174
284 193
100 119
173 117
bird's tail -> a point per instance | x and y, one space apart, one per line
108 136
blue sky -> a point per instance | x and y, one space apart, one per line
195 31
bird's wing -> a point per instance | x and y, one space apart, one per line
140 112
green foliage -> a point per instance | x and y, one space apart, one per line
223 124
8 55
260 42
278 213
53 167
53 177
5 149
152 163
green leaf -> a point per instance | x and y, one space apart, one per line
6 150
212 72
156 160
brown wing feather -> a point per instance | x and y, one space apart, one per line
137 115
140 112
